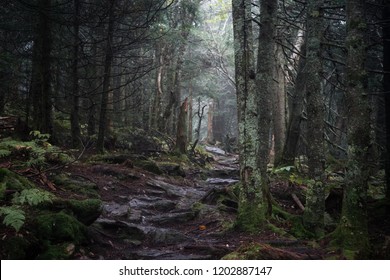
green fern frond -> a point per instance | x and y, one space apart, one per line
32 197
4 153
13 217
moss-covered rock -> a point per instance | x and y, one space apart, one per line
172 169
59 227
149 165
86 211
259 251
79 186
12 181
16 248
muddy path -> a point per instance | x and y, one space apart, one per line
148 216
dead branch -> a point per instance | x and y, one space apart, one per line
297 201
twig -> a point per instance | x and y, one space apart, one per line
297 201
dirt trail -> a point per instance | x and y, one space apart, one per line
147 216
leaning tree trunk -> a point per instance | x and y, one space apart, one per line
41 74
251 210
315 199
352 231
106 80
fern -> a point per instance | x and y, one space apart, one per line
32 197
39 151
13 217
4 153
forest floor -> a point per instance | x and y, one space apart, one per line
149 216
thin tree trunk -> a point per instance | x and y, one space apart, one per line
106 80
190 112
181 134
294 127
210 131
156 105
75 118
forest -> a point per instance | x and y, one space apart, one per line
195 129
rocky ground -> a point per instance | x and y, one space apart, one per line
149 216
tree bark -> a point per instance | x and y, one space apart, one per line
210 130
386 89
106 80
353 230
294 126
41 74
266 88
251 210
279 109
75 118
181 135
315 198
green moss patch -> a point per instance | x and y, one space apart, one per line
259 251
81 187
60 227
149 165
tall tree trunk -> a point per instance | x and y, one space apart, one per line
41 74
386 89
279 115
315 199
352 229
156 105
170 113
251 210
265 89
190 112
294 127
210 130
181 134
75 118
106 79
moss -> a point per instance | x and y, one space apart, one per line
172 168
279 231
55 252
16 248
297 228
80 187
197 207
59 227
251 217
353 246
86 211
148 165
13 181
258 251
